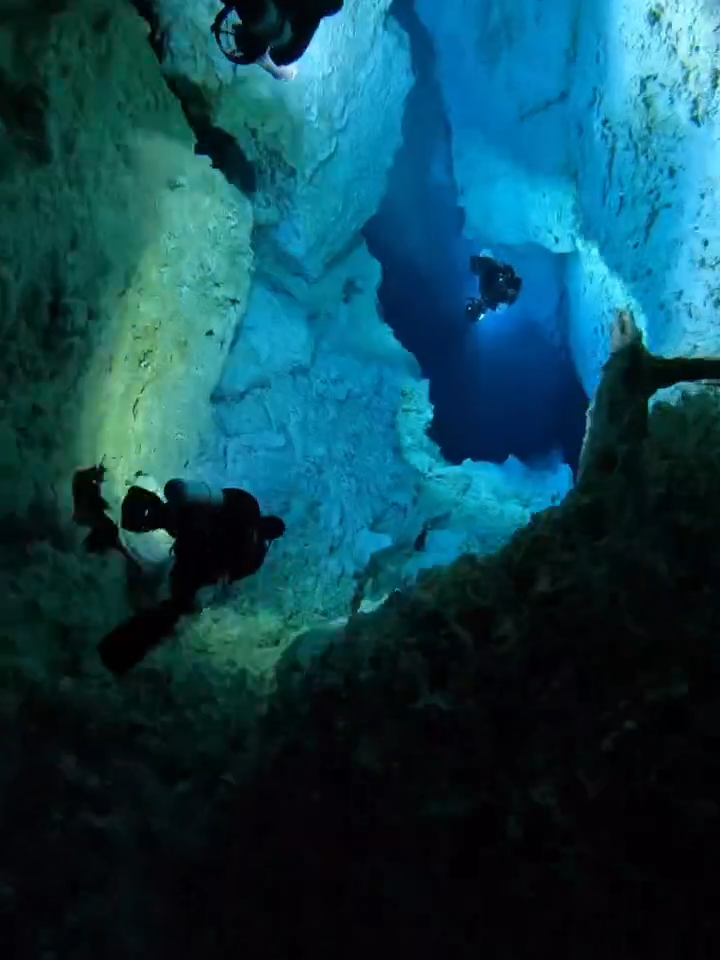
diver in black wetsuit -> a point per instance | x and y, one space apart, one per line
497 284
219 536
271 33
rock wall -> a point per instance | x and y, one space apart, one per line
126 275
593 129
306 411
323 415
116 245
124 265
322 144
506 72
647 147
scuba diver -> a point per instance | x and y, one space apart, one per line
270 33
498 284
220 536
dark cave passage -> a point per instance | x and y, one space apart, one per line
506 386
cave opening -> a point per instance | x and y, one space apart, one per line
506 386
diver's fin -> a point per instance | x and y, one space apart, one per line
88 502
667 371
131 641
103 536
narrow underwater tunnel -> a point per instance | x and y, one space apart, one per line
506 386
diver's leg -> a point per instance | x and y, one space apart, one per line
287 54
279 72
185 581
131 641
103 537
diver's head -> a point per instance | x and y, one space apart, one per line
142 511
271 528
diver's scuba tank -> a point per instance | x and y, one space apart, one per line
144 511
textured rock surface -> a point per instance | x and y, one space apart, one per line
488 761
443 718
124 266
323 415
307 407
648 146
594 129
116 245
120 317
321 144
506 71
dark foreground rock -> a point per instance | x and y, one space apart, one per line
520 759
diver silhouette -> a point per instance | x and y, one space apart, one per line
498 284
273 34
219 536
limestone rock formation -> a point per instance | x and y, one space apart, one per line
607 153
322 144
506 72
117 246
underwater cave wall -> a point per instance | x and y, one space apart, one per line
322 144
503 387
107 349
319 410
647 149
306 410
124 310
505 72
592 129
124 262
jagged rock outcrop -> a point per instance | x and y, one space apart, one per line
496 752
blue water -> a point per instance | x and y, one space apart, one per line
504 386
